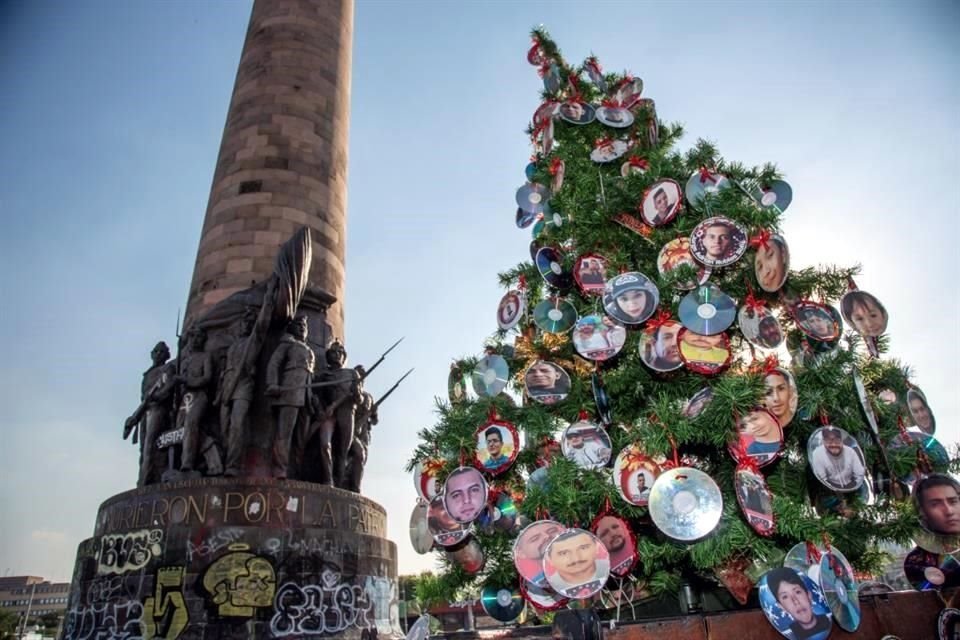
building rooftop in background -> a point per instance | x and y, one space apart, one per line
18 593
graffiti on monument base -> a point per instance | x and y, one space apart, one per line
212 544
123 552
165 613
333 606
240 582
114 620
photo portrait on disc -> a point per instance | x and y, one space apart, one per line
590 273
509 310
718 242
760 327
634 474
661 202
577 112
546 382
617 536
586 444
937 500
836 459
708 355
772 263
616 117
920 412
529 549
630 297
759 436
755 500
794 604
864 313
465 494
816 320
598 338
607 150
446 531
576 564
780 397
659 348
676 253
497 446
697 403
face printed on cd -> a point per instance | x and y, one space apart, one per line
496 447
864 313
616 536
508 313
920 411
718 242
780 397
445 530
465 494
696 405
794 604
760 327
816 321
661 202
759 436
576 564
590 272
676 253
755 500
546 382
598 338
634 474
616 117
577 112
587 445
659 349
772 263
608 150
630 298
836 459
704 354
937 498
529 549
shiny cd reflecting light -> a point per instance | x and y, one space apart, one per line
504 604
799 558
549 262
532 197
777 194
554 315
930 571
702 183
490 376
840 589
707 310
525 218
685 503
935 542
420 536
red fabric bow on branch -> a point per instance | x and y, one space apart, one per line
762 239
754 304
658 321
555 166
637 161
706 175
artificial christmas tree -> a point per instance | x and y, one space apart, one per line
664 393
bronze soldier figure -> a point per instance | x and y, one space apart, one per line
195 372
235 393
342 393
289 372
153 414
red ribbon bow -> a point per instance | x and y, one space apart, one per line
813 554
555 166
744 460
636 161
610 103
603 142
658 321
771 364
762 239
754 304
523 282
706 175
593 64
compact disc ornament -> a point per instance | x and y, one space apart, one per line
496 445
586 444
607 150
704 182
525 218
794 604
935 542
425 479
446 531
465 494
675 254
551 77
781 397
601 399
685 503
836 459
546 382
760 327
634 473
755 500
616 117
816 320
543 598
490 376
532 197
617 536
530 170
456 385
529 548
661 202
777 194
840 589
718 242
504 604
771 264
590 273
801 557
469 556
577 112
510 310
549 262
931 571
576 564
759 437
554 315
420 537
697 403
708 355
707 310
659 348
630 297
598 338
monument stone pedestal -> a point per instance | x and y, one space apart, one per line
235 558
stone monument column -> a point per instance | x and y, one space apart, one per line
283 156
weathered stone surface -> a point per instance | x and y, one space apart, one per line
238 558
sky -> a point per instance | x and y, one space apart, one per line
111 124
